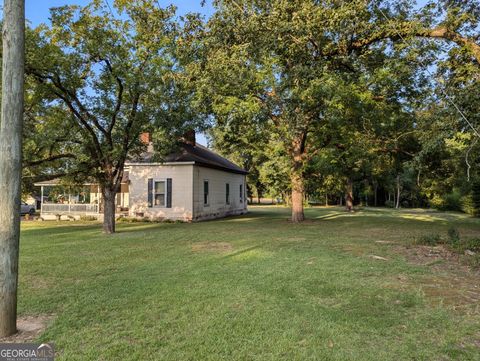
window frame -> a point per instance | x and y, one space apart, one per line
227 193
165 192
206 195
241 192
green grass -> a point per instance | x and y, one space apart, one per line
255 287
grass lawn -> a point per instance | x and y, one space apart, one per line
255 287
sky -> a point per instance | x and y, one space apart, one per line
37 11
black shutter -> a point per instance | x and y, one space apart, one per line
150 192
169 192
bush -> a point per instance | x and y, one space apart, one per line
452 202
475 195
453 236
472 245
389 204
448 202
467 204
429 239
134 220
88 218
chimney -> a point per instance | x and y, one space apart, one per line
145 138
189 137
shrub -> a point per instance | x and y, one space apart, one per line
452 202
448 202
88 218
389 204
467 204
453 236
429 239
476 198
472 245
133 220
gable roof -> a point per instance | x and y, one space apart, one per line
198 154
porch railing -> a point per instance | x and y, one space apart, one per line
69 208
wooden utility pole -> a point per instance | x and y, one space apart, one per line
13 37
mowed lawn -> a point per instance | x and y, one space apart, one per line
255 287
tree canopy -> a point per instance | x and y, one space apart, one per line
101 77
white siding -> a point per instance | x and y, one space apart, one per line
182 185
217 180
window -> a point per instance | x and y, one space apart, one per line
159 195
227 193
206 198
241 193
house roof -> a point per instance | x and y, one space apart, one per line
186 153
198 154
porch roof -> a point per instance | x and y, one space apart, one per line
58 181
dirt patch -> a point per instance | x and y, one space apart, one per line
29 328
450 283
439 257
217 247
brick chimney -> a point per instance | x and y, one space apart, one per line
145 138
189 137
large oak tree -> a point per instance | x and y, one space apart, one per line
114 72
283 61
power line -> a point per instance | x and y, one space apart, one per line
109 8
445 94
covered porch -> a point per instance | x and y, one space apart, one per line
61 201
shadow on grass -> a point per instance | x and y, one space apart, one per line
242 251
57 229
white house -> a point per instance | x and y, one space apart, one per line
191 184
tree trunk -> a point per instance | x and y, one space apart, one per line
11 160
109 196
375 194
397 205
297 197
326 200
349 196
296 176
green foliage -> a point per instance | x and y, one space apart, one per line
389 204
432 239
453 235
467 204
88 218
472 244
450 202
475 198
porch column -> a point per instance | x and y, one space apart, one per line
41 200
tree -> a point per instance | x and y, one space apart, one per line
13 36
286 59
242 141
117 76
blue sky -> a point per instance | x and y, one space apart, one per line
37 11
